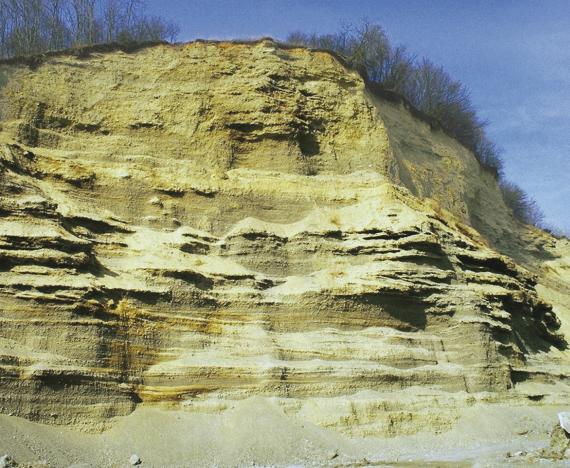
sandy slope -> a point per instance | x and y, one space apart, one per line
257 432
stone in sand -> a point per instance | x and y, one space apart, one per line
559 444
6 461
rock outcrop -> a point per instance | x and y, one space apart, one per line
191 225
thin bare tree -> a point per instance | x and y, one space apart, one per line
34 26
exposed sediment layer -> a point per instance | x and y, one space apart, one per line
191 225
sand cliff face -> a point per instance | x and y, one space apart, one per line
193 225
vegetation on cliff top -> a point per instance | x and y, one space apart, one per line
29 27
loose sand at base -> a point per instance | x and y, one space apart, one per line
256 432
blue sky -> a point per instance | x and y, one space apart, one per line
514 56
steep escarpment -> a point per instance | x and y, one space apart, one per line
193 225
